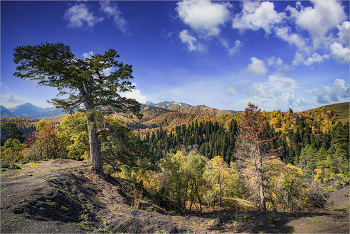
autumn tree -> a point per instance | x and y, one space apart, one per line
45 142
177 178
253 148
73 134
196 166
217 172
88 86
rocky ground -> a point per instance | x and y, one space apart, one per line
65 196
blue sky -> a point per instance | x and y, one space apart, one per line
219 54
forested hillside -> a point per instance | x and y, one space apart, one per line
215 136
25 125
311 147
201 109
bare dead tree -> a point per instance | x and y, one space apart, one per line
253 148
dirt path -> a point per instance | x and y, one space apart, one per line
64 196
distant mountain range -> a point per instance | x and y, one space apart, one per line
166 104
28 110
186 108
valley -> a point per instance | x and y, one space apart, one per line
140 199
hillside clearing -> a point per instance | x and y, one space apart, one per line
63 195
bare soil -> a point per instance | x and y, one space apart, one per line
65 196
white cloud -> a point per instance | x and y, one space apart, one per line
344 32
204 16
338 93
113 11
340 54
293 101
292 38
192 43
234 49
273 61
319 19
257 67
88 55
135 94
279 62
315 58
231 50
230 90
281 68
268 95
78 15
255 16
107 71
298 58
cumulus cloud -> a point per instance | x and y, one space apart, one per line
281 68
339 53
315 58
135 94
319 19
255 16
293 101
298 58
338 93
230 90
292 38
78 15
88 55
268 95
344 32
116 14
204 16
192 43
257 67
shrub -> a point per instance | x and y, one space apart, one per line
14 166
12 150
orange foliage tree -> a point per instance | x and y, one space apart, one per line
44 142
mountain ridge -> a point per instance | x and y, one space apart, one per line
28 110
186 108
6 113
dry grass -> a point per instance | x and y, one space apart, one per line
231 204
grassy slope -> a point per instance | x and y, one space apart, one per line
57 118
341 110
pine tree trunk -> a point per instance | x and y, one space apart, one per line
95 152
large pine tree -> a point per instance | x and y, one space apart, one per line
88 87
